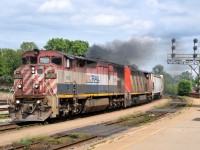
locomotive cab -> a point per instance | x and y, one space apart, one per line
35 86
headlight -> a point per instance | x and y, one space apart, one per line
19 86
17 101
38 101
37 86
33 70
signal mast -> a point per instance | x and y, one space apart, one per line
192 60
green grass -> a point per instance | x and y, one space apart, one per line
132 120
3 116
160 106
46 142
30 140
5 92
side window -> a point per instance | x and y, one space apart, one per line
56 60
91 64
68 63
81 63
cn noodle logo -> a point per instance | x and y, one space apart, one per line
92 78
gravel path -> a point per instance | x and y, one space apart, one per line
7 138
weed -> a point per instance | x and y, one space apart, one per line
30 140
47 142
3 116
79 135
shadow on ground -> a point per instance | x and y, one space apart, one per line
196 119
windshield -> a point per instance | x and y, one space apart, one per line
44 60
29 60
33 60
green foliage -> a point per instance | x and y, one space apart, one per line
58 44
184 75
184 87
27 46
64 45
158 69
3 116
47 142
78 47
9 61
30 140
171 82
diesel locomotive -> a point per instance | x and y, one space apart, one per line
51 84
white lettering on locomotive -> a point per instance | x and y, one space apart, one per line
92 78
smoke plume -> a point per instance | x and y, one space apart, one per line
133 51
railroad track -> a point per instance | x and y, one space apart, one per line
7 127
3 102
102 130
3 109
12 127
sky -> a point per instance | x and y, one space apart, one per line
102 22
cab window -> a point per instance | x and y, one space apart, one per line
33 60
81 63
29 60
44 60
24 61
56 60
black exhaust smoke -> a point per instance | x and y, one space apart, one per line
133 51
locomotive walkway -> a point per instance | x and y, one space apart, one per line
179 132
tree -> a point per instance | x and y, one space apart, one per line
78 47
58 44
184 87
10 60
27 46
184 75
64 45
158 69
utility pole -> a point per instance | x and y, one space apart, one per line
192 60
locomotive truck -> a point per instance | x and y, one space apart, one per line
51 84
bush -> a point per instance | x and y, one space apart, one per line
184 88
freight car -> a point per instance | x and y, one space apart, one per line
51 84
158 85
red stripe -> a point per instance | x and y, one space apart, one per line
127 75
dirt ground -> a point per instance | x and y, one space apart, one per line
7 138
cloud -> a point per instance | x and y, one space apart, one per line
102 19
56 6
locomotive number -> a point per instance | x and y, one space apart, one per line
50 76
17 76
